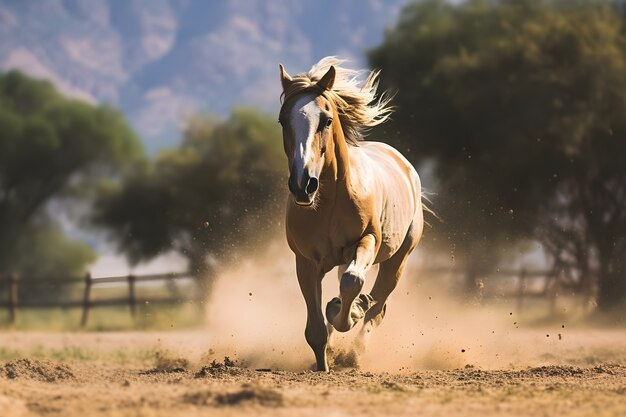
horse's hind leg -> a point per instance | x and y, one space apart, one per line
388 276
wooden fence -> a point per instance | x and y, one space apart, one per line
9 286
521 285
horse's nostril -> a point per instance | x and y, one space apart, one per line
312 185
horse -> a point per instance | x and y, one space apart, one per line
352 204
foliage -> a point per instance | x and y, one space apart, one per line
212 198
521 104
43 251
51 147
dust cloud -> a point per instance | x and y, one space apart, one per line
256 313
256 316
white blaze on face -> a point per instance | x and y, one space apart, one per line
305 118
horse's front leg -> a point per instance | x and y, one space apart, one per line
316 334
344 312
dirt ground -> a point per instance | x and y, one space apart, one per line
86 375
433 355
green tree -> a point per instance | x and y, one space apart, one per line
51 147
521 105
44 251
213 198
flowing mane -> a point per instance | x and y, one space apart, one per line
357 103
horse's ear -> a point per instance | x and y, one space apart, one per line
328 79
285 79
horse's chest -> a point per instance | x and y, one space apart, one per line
328 243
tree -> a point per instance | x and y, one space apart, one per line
44 251
521 105
213 198
51 147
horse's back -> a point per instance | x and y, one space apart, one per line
396 188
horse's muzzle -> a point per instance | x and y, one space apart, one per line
303 191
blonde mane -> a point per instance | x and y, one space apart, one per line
356 101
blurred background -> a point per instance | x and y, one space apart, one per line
140 154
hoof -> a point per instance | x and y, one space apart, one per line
332 309
360 306
319 368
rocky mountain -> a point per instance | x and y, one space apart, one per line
160 60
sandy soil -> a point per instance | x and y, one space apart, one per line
433 355
578 382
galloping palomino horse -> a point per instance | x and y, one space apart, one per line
353 203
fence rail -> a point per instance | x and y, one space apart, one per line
523 284
9 285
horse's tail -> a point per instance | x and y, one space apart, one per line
426 206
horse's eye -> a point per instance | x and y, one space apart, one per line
325 122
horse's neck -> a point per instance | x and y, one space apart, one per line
337 178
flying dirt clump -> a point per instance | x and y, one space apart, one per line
227 367
34 369
165 362
343 359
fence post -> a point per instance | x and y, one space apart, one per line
521 289
86 300
12 281
132 301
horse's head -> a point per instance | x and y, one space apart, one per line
307 117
